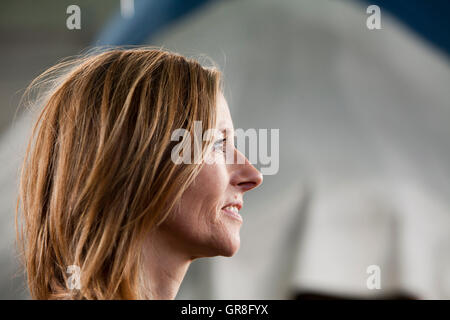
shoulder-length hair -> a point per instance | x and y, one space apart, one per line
97 174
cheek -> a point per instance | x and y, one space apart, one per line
198 222
203 200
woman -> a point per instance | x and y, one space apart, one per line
104 212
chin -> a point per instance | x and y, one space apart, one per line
231 246
225 247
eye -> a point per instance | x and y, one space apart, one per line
220 145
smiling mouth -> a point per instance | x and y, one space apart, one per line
232 211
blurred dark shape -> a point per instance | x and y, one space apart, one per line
150 17
429 19
327 296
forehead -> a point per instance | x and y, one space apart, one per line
224 120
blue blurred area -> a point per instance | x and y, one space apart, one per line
150 16
429 19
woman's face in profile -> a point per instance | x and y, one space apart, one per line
207 221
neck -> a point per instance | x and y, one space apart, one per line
165 266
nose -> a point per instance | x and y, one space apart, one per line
245 176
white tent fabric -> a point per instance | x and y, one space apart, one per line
363 117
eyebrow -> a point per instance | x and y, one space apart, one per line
224 131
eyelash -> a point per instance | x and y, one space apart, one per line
220 142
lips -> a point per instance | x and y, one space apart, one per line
232 210
237 205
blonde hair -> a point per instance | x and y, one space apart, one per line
97 174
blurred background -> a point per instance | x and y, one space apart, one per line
364 120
